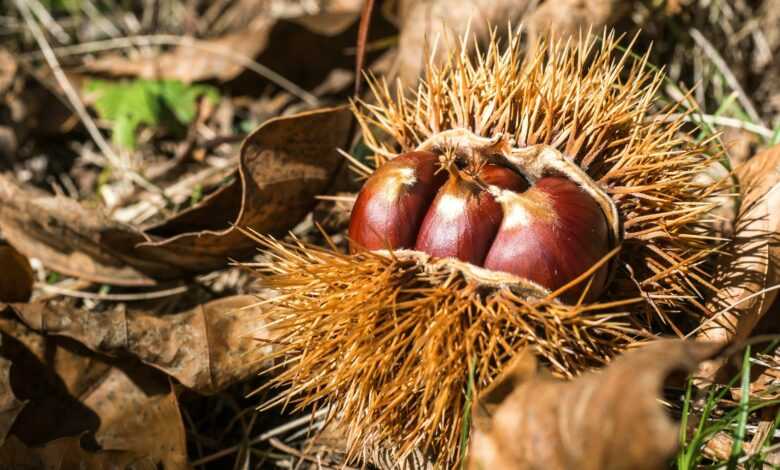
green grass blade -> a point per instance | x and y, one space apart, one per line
739 435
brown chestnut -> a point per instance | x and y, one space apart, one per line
390 207
549 231
551 234
461 222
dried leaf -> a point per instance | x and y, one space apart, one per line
119 404
220 58
607 420
565 18
333 19
750 264
16 276
70 238
443 23
225 57
10 406
65 454
207 348
284 164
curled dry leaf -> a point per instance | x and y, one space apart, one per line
606 420
750 264
65 454
208 348
120 404
16 276
284 165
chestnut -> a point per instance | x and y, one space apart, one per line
550 235
395 198
548 231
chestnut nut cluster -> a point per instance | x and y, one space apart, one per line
545 229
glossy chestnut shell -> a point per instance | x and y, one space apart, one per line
548 231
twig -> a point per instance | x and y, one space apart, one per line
75 100
48 22
111 297
171 40
716 59
263 437
295 452
99 20
721 121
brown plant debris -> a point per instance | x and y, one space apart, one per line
567 18
222 57
66 453
207 349
284 164
10 406
117 405
748 267
16 275
438 24
611 419
388 340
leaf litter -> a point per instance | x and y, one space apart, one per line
135 382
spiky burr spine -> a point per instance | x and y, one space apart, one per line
388 338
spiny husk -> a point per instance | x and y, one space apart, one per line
390 342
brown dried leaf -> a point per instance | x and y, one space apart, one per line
284 164
207 348
607 420
70 238
65 454
10 406
225 57
120 404
221 58
444 22
565 18
335 18
16 276
750 264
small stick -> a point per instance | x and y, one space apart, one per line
111 297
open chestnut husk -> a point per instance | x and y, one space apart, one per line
514 205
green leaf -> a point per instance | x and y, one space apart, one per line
129 104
